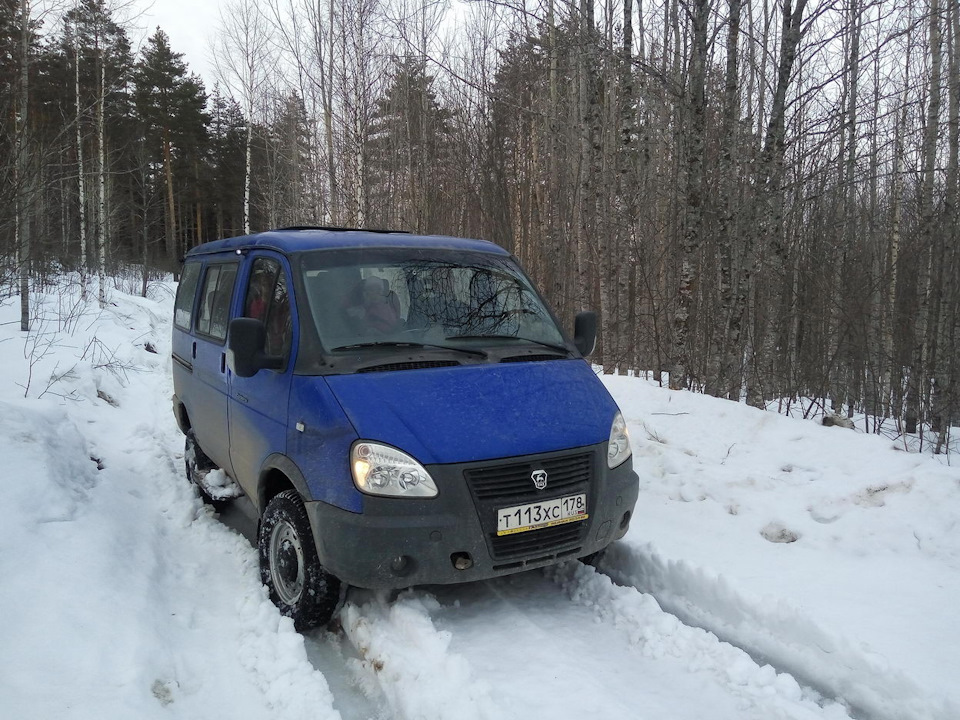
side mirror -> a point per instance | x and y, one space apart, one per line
585 332
245 348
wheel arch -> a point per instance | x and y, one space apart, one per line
280 473
182 416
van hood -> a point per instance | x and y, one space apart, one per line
479 412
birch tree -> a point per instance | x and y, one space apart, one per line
918 373
242 64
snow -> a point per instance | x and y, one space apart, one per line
860 605
121 596
774 568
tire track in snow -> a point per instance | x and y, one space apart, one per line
402 653
776 633
564 643
332 654
328 651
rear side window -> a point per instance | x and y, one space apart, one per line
213 315
186 292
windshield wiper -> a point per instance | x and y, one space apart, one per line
406 344
553 346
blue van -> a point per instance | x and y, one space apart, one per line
400 409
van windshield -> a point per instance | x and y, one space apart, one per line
410 297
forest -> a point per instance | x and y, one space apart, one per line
759 198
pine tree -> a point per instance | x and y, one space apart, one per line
227 153
171 104
409 151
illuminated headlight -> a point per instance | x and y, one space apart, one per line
384 470
618 449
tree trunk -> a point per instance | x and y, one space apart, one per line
918 371
328 129
725 341
101 186
248 153
585 164
891 383
625 194
844 375
693 212
23 176
947 382
768 219
171 207
81 169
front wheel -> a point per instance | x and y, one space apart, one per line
594 559
289 565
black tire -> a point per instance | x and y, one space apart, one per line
197 462
594 558
289 565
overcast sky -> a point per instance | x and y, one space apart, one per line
190 24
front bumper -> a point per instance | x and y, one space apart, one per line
399 542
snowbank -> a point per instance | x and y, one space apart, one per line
830 552
121 596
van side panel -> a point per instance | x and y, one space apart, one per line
322 449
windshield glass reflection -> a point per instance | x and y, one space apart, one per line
356 299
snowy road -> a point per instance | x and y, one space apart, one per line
561 643
566 642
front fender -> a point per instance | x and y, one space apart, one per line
267 486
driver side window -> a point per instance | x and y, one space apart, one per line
267 299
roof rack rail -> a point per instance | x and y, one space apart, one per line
341 229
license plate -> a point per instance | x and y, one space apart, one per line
547 513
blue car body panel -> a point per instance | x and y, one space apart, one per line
291 242
259 404
479 412
442 416
321 450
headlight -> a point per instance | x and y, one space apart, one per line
618 449
384 470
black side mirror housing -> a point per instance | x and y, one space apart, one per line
585 332
245 348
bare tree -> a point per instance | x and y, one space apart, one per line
242 64
81 169
918 372
24 180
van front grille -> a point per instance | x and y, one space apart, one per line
514 481
509 483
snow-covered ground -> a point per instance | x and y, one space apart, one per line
123 596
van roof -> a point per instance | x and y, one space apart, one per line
298 239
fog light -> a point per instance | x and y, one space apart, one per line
462 561
604 531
